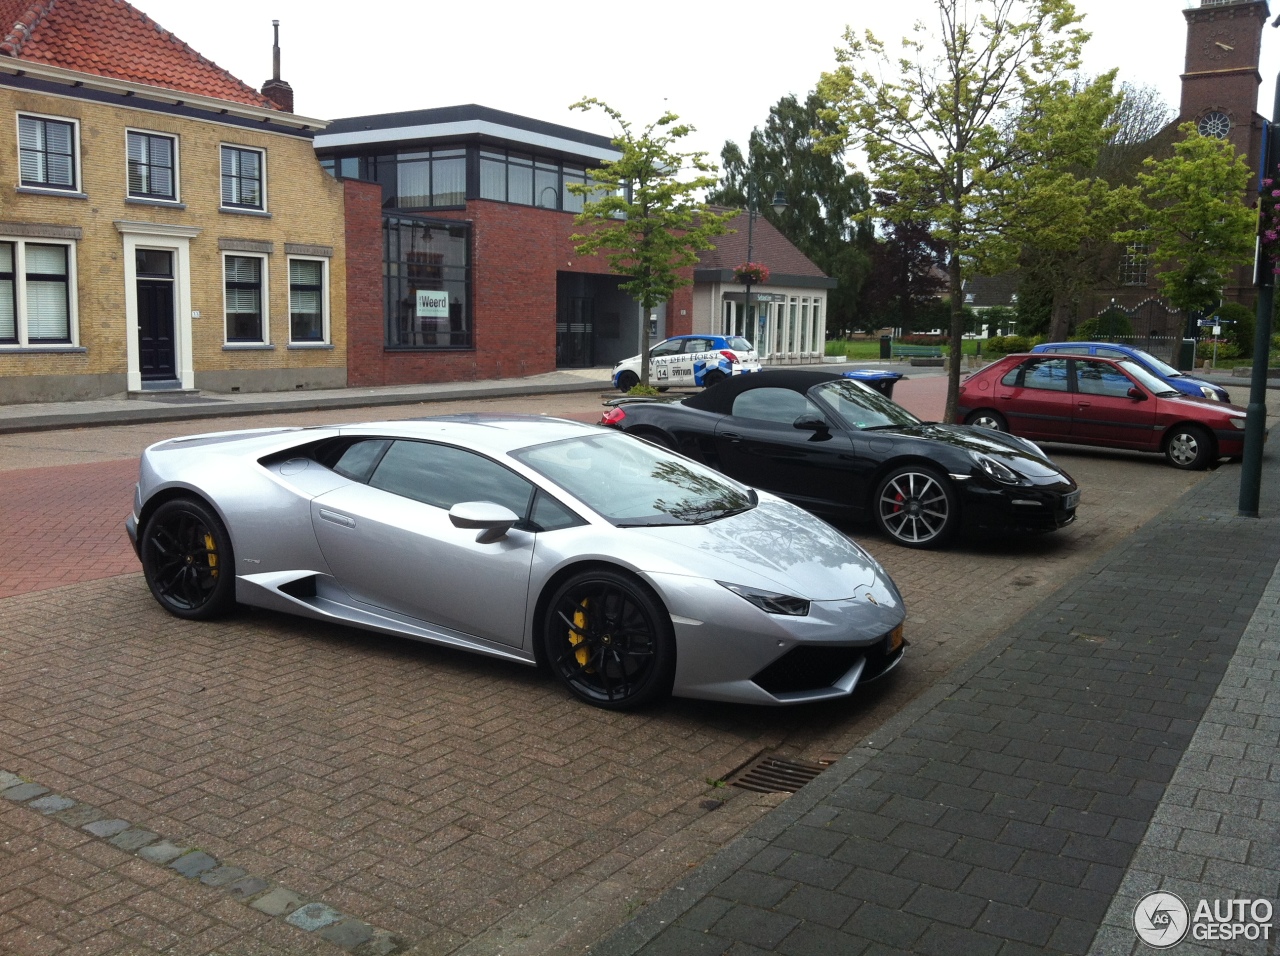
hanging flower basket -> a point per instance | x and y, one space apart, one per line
751 273
1269 221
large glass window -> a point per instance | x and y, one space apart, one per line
1133 263
307 300
8 297
48 303
427 281
243 174
35 293
47 152
151 166
418 179
244 287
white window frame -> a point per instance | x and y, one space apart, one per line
324 300
24 342
265 283
177 178
240 207
75 189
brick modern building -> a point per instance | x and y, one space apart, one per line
478 274
166 227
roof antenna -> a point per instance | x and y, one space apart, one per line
275 51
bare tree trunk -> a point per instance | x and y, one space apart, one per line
1060 323
644 345
957 334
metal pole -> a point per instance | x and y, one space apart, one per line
751 221
1256 420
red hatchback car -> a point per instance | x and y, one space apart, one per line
1090 400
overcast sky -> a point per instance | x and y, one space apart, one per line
720 66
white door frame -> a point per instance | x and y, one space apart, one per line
175 239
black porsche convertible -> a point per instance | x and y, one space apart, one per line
840 448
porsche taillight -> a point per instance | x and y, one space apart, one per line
613 416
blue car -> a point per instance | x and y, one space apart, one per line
1184 383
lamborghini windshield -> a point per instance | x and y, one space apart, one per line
633 483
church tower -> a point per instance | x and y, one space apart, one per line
1220 84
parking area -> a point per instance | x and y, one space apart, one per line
462 804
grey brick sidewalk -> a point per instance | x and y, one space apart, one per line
1213 835
1009 809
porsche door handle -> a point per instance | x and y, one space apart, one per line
731 436
336 518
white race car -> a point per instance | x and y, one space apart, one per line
699 360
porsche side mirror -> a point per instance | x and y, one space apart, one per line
492 520
808 423
1137 393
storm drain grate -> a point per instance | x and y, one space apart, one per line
776 775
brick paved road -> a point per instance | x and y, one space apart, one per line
464 804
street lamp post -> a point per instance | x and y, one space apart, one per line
1264 278
779 203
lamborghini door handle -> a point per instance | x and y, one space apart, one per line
336 518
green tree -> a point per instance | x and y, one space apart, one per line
942 124
825 199
645 218
1069 248
1196 221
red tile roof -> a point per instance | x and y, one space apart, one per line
768 246
113 39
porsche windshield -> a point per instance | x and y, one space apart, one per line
861 406
633 483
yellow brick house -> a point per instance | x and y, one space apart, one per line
163 226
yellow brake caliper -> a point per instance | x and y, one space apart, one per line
212 556
577 638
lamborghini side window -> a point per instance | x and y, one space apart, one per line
358 460
442 475
550 515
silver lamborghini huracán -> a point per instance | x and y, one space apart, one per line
630 571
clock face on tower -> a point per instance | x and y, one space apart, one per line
1214 124
1219 42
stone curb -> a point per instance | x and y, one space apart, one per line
345 931
146 413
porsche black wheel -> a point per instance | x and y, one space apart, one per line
609 640
627 381
916 507
187 560
987 418
1189 447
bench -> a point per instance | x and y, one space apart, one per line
915 351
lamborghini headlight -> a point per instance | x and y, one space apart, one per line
769 601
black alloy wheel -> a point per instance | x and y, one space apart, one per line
1189 447
987 418
609 640
627 381
714 377
916 507
187 560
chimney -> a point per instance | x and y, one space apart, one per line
275 89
